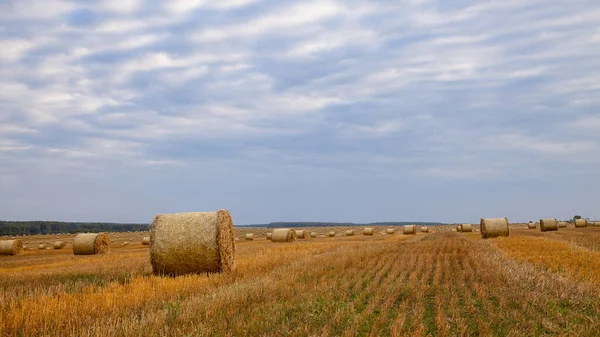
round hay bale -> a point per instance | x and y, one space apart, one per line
185 243
424 229
494 227
331 234
350 232
531 225
368 231
249 236
300 234
459 228
580 223
283 235
547 225
146 241
125 243
59 244
466 228
390 231
562 224
11 247
42 246
313 234
409 229
90 244
269 236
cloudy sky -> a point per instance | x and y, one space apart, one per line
416 110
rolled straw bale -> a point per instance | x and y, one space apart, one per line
300 234
11 247
146 241
185 243
90 244
389 231
562 224
466 228
269 236
48 248
459 228
59 244
350 232
331 234
494 227
42 246
409 229
579 223
249 236
548 225
313 234
283 235
531 225
368 231
125 243
424 229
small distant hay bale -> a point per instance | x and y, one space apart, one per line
368 231
249 236
409 229
313 234
283 235
11 247
191 243
42 246
531 225
146 241
269 236
350 232
466 228
331 234
90 244
125 243
459 228
547 225
494 227
562 224
580 223
390 231
424 229
300 234
59 244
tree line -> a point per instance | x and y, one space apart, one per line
56 227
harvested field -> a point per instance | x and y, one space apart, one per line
429 284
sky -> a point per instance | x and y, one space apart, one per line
358 111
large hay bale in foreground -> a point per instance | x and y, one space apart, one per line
269 236
531 225
494 227
580 223
409 229
249 236
11 247
90 244
146 241
424 229
466 228
562 224
368 231
331 234
59 244
283 235
189 243
390 231
548 225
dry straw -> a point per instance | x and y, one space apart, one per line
409 229
579 223
466 228
531 225
368 231
269 236
459 228
146 241
249 236
11 247
313 234
59 244
42 246
424 229
300 234
283 235
350 232
331 234
548 225
389 231
187 243
562 224
494 227
90 244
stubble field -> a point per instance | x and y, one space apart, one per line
435 284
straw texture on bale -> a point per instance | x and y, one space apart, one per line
350 232
531 225
283 235
368 231
548 225
581 223
249 236
59 244
269 236
424 229
466 228
187 243
146 241
331 234
11 247
313 234
409 229
494 227
300 234
90 244
389 231
562 224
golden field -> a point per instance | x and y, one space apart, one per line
437 284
